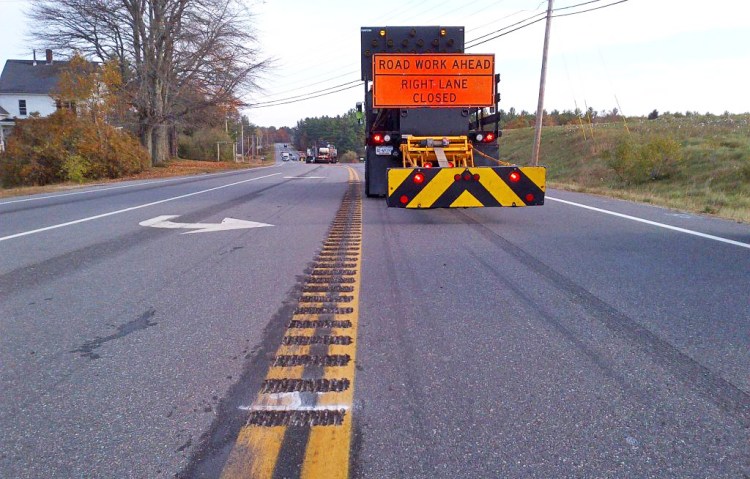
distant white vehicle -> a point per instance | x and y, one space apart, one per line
285 156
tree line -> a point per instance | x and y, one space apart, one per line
344 131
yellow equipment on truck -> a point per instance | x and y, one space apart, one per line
429 143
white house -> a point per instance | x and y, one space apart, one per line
3 119
28 87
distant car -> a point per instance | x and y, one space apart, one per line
310 159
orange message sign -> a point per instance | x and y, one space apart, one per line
433 80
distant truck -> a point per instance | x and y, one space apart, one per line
430 140
327 154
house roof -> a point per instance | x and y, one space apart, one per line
22 76
3 112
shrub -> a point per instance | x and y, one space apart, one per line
201 145
75 168
349 157
65 147
657 159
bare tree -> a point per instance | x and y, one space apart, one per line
175 56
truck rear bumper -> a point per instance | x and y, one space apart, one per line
466 187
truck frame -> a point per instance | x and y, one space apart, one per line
430 140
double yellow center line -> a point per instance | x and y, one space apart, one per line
301 421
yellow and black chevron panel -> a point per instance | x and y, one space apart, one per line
466 187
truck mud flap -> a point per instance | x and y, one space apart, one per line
466 187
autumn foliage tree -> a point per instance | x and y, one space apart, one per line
76 143
167 51
66 147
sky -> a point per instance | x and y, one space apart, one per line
635 55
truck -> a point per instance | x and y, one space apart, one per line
431 137
326 154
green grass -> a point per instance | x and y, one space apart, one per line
712 175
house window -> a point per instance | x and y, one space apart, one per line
22 107
65 105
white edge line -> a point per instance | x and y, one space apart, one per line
132 185
132 208
654 223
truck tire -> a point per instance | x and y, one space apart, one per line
367 183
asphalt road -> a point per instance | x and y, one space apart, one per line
553 341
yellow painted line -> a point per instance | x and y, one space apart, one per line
256 452
257 448
327 454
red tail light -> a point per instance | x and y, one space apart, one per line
404 199
457 177
450 164
515 177
529 198
489 138
377 138
419 178
427 165
467 176
476 176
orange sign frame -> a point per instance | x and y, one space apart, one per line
434 80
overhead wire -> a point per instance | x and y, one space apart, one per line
262 105
282 92
474 42
403 8
308 93
538 20
587 10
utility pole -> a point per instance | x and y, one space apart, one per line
242 139
540 105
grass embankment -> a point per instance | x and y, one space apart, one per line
708 172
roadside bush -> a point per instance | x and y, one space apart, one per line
201 145
65 147
635 163
75 168
349 157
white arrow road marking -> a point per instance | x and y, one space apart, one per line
132 208
226 224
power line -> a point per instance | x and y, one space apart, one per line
505 33
587 10
538 20
474 42
281 92
260 105
305 94
504 28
